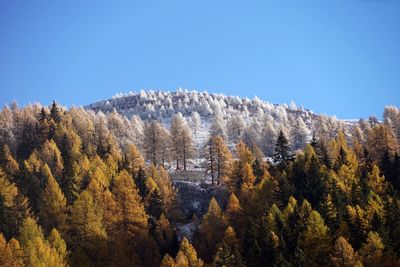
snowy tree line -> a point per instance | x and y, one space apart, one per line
254 121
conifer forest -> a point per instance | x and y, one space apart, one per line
197 179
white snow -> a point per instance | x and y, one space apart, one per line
260 121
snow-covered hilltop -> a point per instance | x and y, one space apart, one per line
254 121
161 104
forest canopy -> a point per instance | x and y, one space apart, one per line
85 188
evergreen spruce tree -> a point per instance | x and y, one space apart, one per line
282 155
140 181
42 115
358 225
29 142
155 204
393 224
55 113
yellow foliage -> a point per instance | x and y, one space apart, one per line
11 253
244 154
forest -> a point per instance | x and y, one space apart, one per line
76 190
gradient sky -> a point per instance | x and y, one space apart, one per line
339 57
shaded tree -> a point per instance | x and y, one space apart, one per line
282 155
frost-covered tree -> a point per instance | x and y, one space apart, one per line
300 134
156 142
120 127
137 127
181 140
252 133
195 121
6 126
391 117
235 127
218 126
268 137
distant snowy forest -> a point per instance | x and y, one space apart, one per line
255 122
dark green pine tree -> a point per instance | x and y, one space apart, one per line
43 127
282 154
155 204
393 224
42 115
30 141
65 150
69 184
391 169
323 155
367 160
55 113
140 181
341 159
365 167
395 179
258 246
258 171
315 182
386 164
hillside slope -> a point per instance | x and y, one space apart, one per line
254 121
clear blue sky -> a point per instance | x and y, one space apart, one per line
339 57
